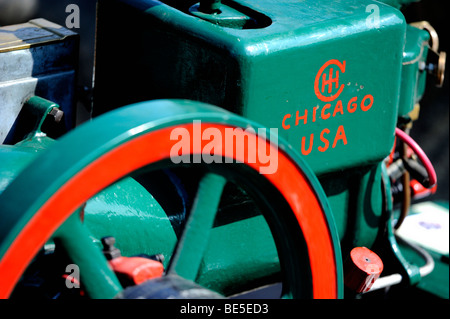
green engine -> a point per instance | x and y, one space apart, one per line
232 147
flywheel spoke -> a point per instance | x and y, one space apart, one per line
194 240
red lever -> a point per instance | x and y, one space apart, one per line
361 269
136 270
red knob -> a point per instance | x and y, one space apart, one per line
361 269
136 270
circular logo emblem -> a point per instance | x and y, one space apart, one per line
326 84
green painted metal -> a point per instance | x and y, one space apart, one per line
387 245
125 209
39 108
413 73
267 73
254 59
434 283
31 119
228 17
98 278
129 213
12 160
76 150
227 264
15 158
194 241
357 202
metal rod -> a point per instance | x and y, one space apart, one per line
395 279
194 240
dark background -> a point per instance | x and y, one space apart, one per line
431 131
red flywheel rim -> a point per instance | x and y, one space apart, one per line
153 147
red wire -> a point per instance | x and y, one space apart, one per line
420 153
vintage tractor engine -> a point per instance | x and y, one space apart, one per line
233 146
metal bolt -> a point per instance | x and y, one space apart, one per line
57 114
109 250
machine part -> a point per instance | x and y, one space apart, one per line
396 169
230 15
414 76
168 287
361 269
397 268
356 199
13 160
406 200
426 269
436 62
266 74
417 171
77 242
436 66
130 270
36 58
329 105
306 240
109 250
406 168
187 261
127 210
405 180
386 244
135 270
419 192
432 179
434 37
127 202
31 118
396 279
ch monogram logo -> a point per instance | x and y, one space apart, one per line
329 81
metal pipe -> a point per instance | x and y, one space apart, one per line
395 279
386 281
429 262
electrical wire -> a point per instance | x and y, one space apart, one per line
406 198
420 154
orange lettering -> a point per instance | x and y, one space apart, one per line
352 106
315 108
311 140
326 106
365 107
286 127
324 140
340 135
338 108
298 118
